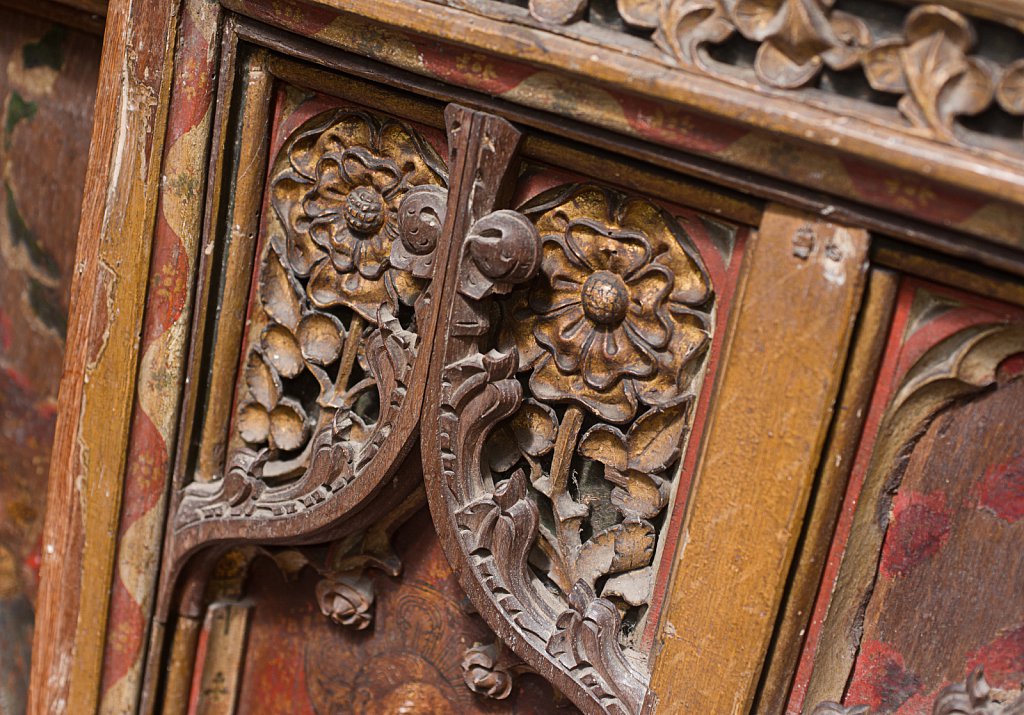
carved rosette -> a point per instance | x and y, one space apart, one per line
358 205
564 408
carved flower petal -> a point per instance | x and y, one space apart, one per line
321 337
609 355
288 425
328 288
419 161
372 255
604 249
282 351
254 423
617 404
345 129
563 333
560 279
303 253
647 315
676 364
361 168
325 286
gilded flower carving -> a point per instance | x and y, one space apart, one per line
339 201
611 320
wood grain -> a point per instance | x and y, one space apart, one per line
779 379
97 389
841 449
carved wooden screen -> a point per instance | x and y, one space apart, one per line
411 269
471 404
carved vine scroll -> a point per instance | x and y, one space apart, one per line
574 342
327 403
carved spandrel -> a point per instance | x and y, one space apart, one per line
358 201
574 345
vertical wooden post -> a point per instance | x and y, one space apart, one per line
799 294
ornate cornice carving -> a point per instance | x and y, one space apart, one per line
928 56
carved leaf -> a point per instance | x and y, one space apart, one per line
254 423
883 67
1010 91
642 14
623 547
282 351
321 338
650 444
288 424
264 384
279 296
558 12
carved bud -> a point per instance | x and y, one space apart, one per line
346 600
484 672
421 218
504 249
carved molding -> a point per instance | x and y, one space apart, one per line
973 696
957 368
928 56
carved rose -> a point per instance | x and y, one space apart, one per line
611 318
483 672
346 600
339 202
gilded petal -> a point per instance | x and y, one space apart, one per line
647 315
617 404
559 281
563 333
609 355
372 256
603 249
361 168
677 364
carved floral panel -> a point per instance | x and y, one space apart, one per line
578 335
354 207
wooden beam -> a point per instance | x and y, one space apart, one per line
787 345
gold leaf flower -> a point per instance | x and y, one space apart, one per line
614 317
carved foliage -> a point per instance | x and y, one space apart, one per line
554 495
797 38
927 60
358 204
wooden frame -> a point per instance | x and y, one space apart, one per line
107 382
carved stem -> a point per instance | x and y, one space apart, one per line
348 353
566 519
